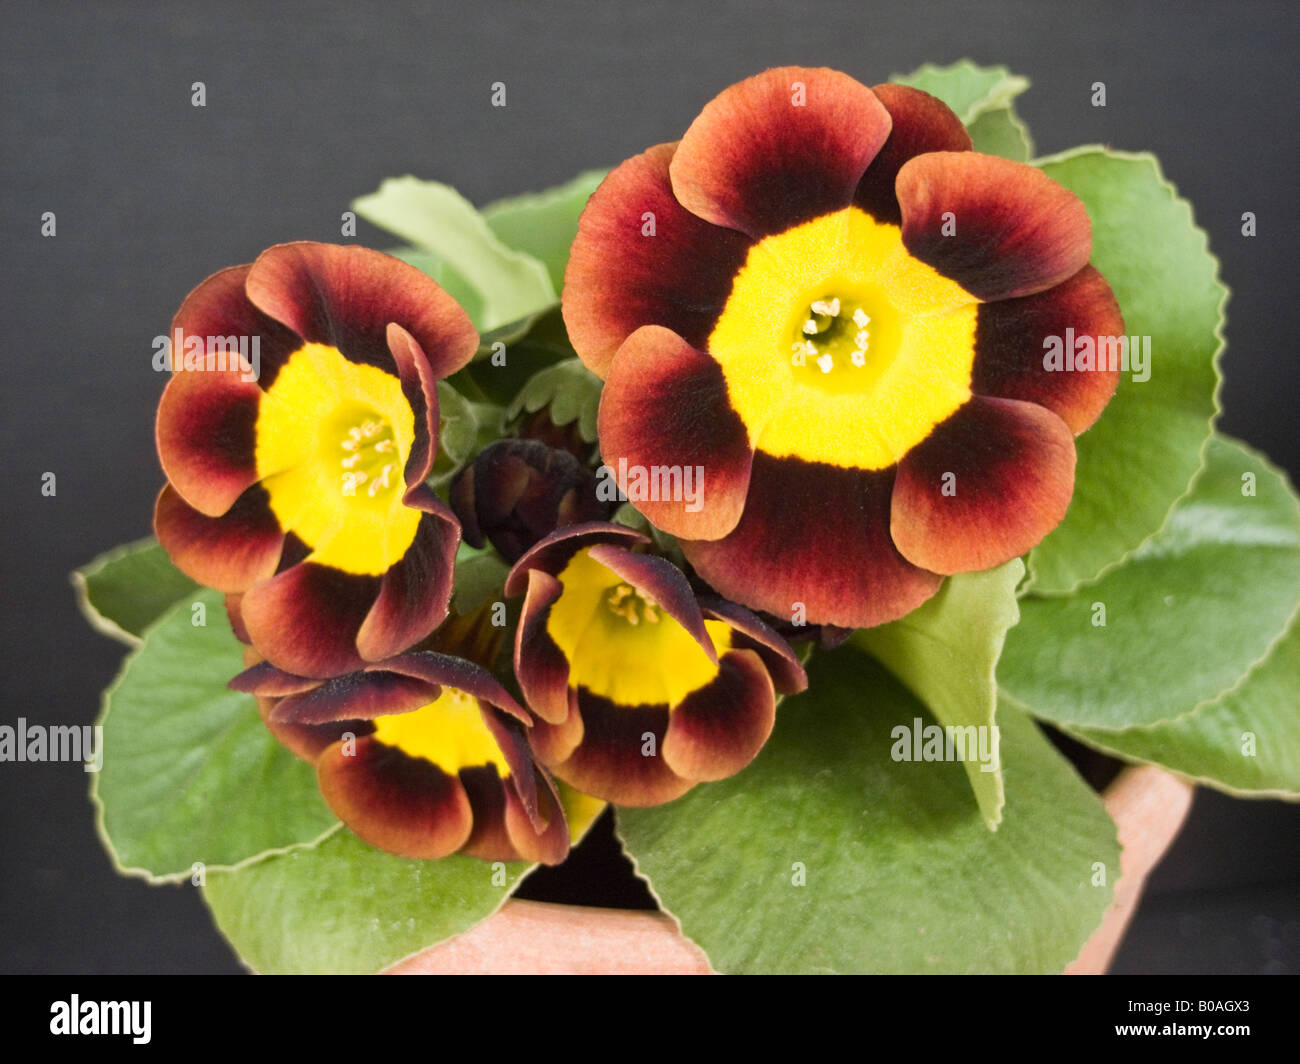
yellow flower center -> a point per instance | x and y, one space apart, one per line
839 347
332 442
621 645
449 732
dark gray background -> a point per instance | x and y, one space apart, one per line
310 106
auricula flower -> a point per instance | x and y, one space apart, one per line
423 755
826 301
640 689
303 491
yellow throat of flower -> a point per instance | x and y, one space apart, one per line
839 347
449 732
332 442
621 645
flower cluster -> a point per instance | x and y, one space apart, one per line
830 335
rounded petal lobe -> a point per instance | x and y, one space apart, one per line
206 434
404 805
719 729
305 619
1000 229
920 123
415 592
985 487
231 552
620 758
1015 340
778 149
641 258
345 296
813 545
665 423
540 666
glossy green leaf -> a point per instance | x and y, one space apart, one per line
544 223
190 774
1140 457
1185 618
945 653
125 590
510 285
898 871
345 907
1246 742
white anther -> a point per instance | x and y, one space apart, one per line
369 429
829 308
810 327
351 445
859 358
860 318
826 363
384 445
861 340
349 462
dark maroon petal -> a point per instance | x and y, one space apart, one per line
1014 231
403 805
662 582
355 696
346 296
748 632
231 552
420 387
547 844
1012 475
553 742
540 666
552 553
1012 338
640 258
920 123
305 620
609 762
665 411
778 149
415 592
220 308
489 839
266 680
444 670
236 618
309 741
719 728
206 436
816 535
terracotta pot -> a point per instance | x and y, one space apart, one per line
1147 804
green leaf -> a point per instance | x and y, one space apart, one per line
901 874
1246 743
344 907
480 578
1186 617
945 653
970 90
463 427
544 223
1001 132
500 380
511 285
1140 457
570 390
190 773
126 589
